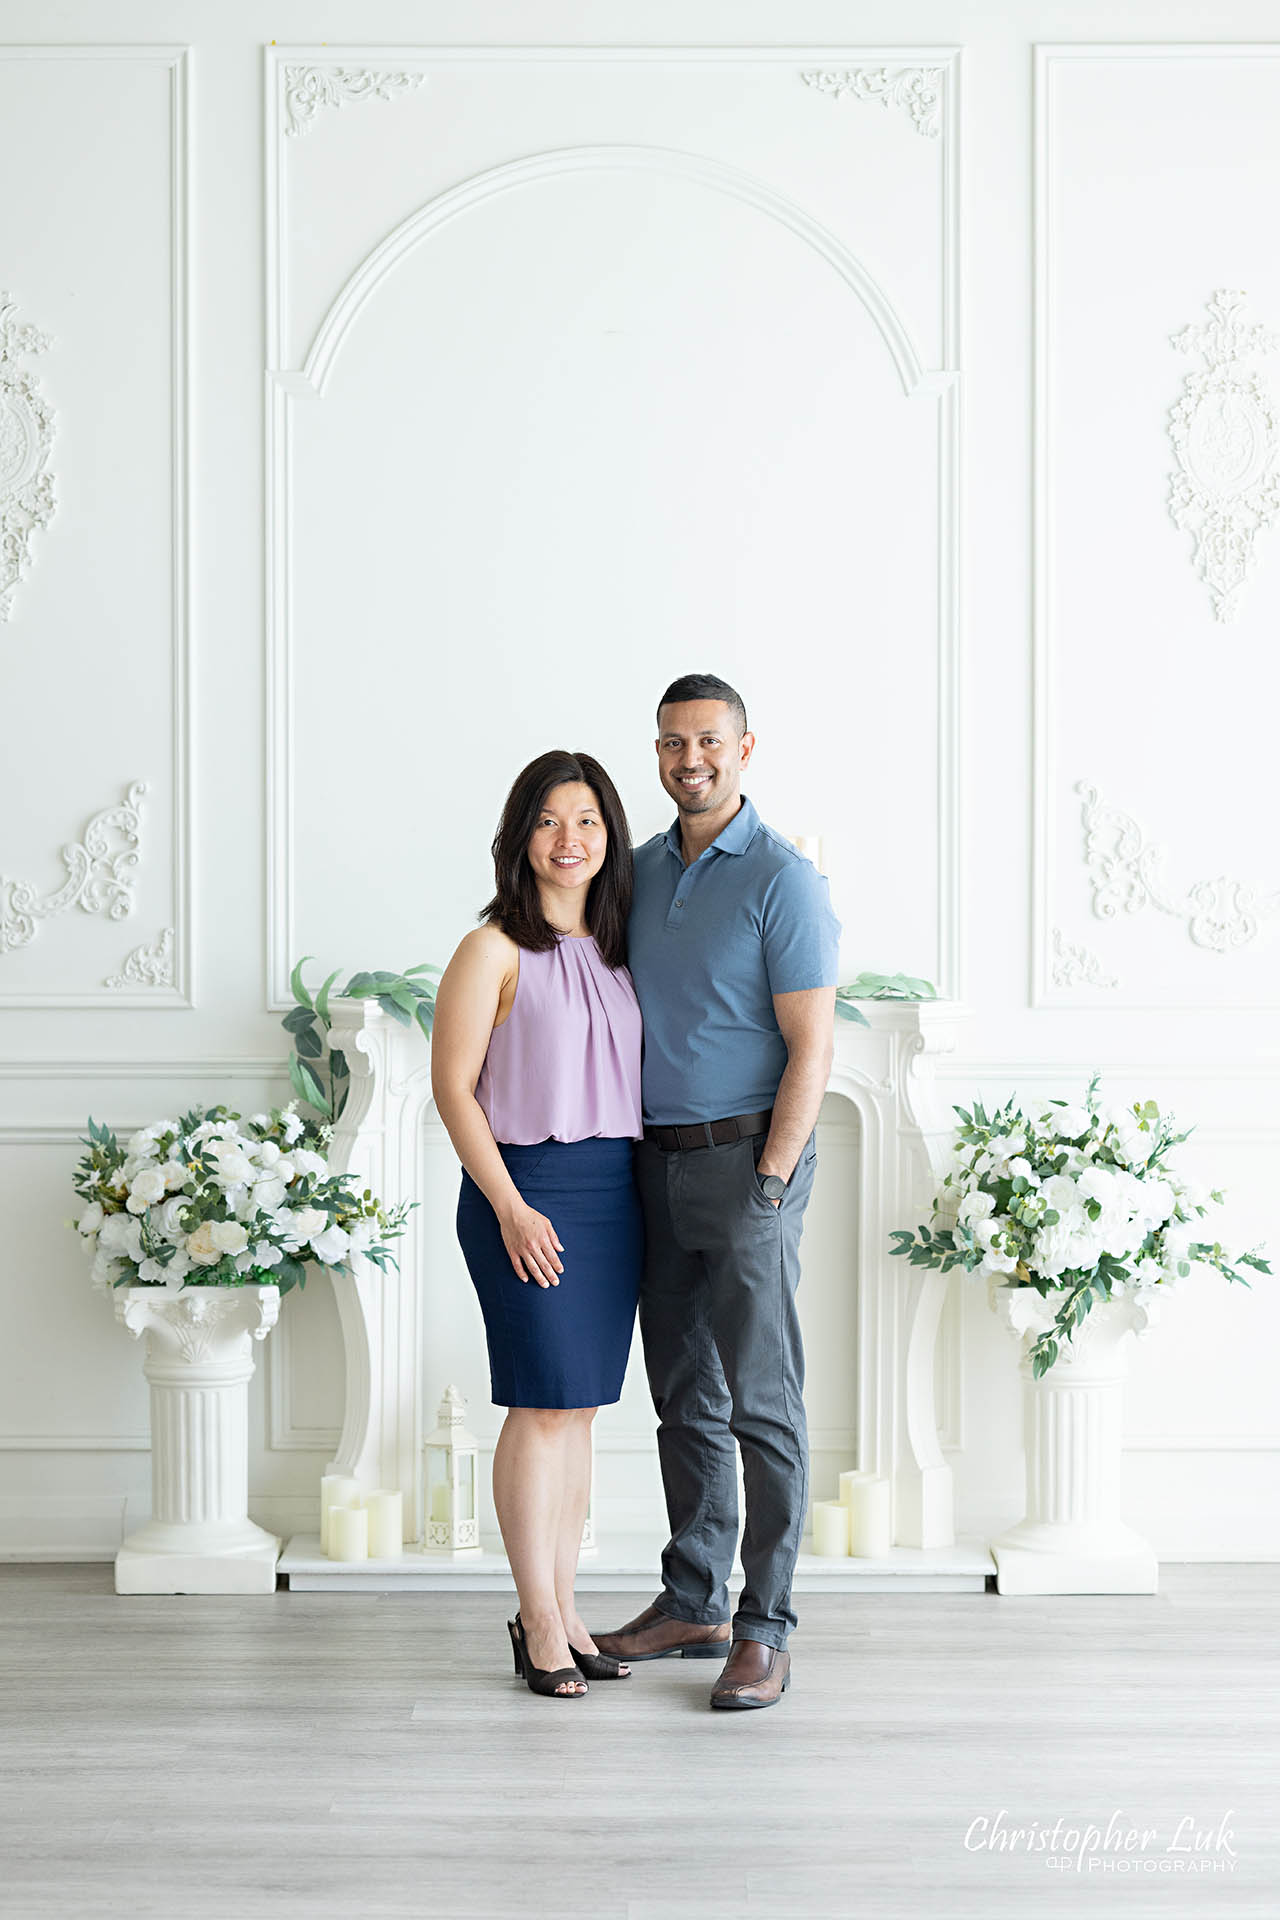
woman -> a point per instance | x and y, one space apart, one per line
535 1069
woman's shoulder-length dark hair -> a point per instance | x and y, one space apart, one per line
516 906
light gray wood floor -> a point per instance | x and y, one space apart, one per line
317 1755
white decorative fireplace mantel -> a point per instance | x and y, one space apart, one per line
885 1071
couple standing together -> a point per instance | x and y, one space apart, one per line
592 1182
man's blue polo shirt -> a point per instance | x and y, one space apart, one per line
709 945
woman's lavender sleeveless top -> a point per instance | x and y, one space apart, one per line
565 1063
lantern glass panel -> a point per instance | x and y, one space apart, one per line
437 1484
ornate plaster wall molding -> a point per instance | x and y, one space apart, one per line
26 436
99 874
146 966
1220 914
1077 966
307 89
917 89
1226 437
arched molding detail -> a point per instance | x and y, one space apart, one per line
738 185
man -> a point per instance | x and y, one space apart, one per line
733 950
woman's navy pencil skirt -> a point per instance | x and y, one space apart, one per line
563 1346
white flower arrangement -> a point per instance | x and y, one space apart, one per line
214 1201
1078 1199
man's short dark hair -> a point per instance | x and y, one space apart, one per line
706 686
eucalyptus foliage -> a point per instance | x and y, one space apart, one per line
318 1071
880 986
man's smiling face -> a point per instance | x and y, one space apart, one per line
701 756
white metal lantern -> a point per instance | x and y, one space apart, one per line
451 1483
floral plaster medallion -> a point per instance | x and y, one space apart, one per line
1225 437
26 436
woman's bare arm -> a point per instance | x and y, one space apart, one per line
467 1002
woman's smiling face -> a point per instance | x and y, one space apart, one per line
568 843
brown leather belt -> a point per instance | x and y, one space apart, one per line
709 1133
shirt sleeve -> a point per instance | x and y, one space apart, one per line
801 932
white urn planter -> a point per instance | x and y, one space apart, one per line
1072 1539
199 1362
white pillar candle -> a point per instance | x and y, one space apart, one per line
830 1529
336 1490
348 1533
386 1523
847 1483
869 1521
439 1502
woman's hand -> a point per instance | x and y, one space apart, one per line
532 1243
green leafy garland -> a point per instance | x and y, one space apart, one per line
318 1071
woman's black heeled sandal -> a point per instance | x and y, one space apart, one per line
539 1679
599 1666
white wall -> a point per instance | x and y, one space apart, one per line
863 407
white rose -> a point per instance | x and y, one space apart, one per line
175 1175
1061 1193
291 1127
178 1268
307 1162
201 1245
229 1236
235 1169
147 1188
331 1246
168 1219
1020 1169
92 1218
151 1273
268 1153
265 1255
259 1120
268 1194
307 1222
285 1169
976 1206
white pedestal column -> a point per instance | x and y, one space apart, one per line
199 1361
1073 1539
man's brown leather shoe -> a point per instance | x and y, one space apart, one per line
652 1635
754 1676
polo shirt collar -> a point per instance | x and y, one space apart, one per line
735 838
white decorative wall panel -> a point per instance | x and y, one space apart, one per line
613 367
93 658
586 366
1158 172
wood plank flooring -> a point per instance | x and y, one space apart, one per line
304 1756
